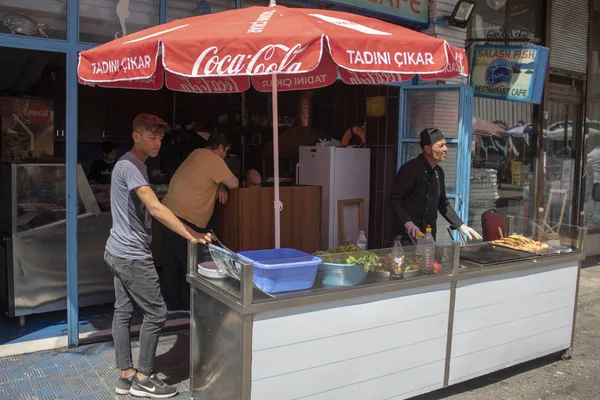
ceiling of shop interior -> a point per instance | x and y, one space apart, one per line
21 70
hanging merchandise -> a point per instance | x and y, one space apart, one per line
354 134
376 106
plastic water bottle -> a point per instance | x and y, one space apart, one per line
419 248
361 241
428 249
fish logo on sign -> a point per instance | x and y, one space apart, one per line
350 25
499 73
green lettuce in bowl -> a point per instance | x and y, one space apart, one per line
351 255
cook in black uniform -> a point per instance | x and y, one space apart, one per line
420 191
101 170
100 175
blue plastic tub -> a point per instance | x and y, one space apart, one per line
283 270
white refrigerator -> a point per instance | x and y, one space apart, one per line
343 173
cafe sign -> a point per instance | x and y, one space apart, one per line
515 73
410 10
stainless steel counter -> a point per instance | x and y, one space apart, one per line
229 292
238 332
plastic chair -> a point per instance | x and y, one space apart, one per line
492 225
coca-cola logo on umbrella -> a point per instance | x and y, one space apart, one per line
38 113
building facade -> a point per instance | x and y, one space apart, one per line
539 170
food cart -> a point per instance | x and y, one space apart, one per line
384 338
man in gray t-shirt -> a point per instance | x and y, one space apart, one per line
131 232
133 204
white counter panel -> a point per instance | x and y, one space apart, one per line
388 346
507 319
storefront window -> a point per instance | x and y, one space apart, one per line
559 145
101 22
254 3
595 58
190 8
591 193
591 201
422 115
517 20
43 19
503 159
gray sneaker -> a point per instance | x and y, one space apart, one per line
124 384
152 387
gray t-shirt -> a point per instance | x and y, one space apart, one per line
131 231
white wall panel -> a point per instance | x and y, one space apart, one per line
390 347
504 320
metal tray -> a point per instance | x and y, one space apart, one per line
488 253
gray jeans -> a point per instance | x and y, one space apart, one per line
136 281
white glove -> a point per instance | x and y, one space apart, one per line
412 229
469 232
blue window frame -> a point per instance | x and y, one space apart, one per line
459 143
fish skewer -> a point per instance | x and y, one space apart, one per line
520 242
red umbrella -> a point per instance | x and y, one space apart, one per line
275 48
485 128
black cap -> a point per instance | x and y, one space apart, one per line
430 136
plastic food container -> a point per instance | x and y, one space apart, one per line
336 275
282 270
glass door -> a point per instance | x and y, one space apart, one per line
563 137
450 109
33 283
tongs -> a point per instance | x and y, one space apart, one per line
225 247
462 238
412 240
214 236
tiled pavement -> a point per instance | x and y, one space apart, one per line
87 372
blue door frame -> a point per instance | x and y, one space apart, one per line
71 48
463 141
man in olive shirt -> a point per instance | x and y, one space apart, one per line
198 182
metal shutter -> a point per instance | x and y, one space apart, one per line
569 35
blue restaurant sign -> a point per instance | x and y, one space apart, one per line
515 73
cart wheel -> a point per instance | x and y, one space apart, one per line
566 355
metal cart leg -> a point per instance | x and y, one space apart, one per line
567 354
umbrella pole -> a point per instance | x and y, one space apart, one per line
277 204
